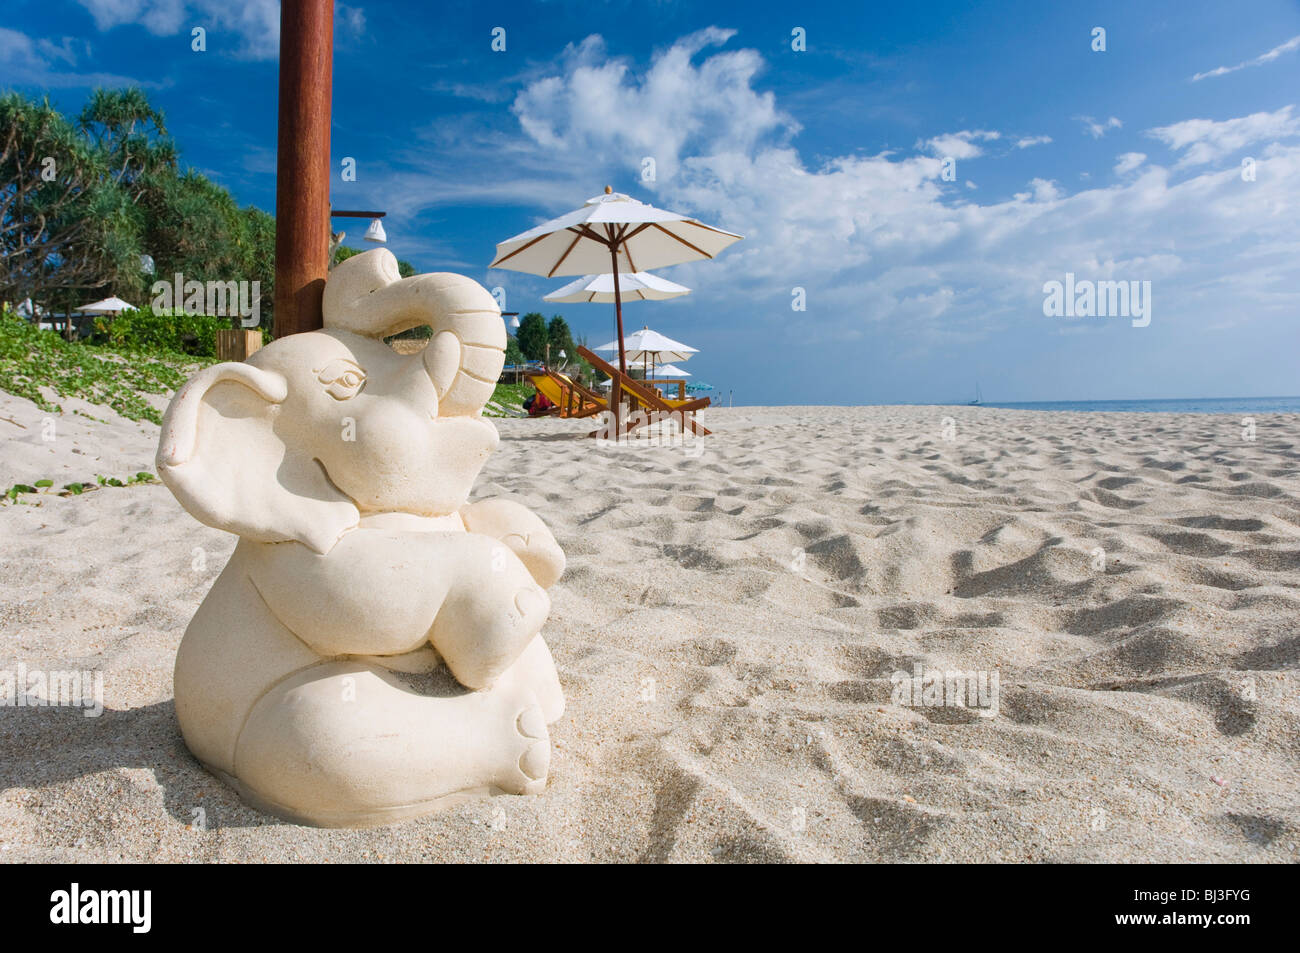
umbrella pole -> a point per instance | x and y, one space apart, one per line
615 390
618 308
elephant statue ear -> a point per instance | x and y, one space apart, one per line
222 457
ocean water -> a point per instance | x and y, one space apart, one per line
1191 405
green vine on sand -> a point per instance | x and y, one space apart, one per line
45 487
508 396
31 359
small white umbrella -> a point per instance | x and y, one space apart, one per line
636 286
113 305
650 345
669 372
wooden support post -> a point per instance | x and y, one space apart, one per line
237 344
302 220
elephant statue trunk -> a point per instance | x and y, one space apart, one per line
345 468
467 350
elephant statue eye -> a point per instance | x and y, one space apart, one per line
343 379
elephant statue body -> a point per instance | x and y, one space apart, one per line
312 676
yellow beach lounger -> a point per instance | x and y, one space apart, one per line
645 398
570 398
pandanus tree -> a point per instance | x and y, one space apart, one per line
132 134
65 223
80 202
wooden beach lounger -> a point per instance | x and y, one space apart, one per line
646 399
570 398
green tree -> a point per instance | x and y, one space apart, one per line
191 226
532 336
64 222
581 368
141 160
131 134
76 227
513 354
560 338
258 256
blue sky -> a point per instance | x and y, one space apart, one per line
1117 165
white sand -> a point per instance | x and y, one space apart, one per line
1148 711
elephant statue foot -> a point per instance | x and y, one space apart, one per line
304 756
372 650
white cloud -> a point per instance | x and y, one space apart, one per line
160 17
256 23
958 145
1097 128
1287 47
353 19
875 239
1045 190
1027 141
68 50
492 92
596 105
44 63
17 48
1204 140
1129 161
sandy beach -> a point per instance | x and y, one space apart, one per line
726 632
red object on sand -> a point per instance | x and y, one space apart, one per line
539 406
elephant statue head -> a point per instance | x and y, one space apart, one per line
317 430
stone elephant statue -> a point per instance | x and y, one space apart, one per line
308 678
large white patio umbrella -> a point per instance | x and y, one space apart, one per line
611 231
112 305
636 286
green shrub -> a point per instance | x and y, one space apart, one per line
31 359
161 332
509 396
